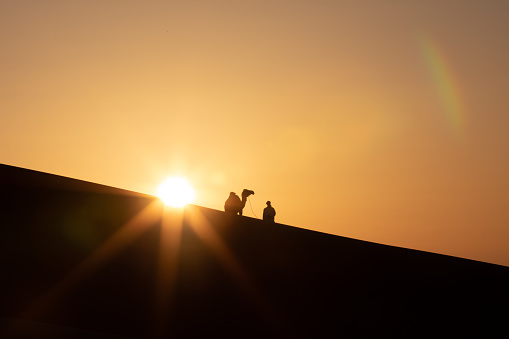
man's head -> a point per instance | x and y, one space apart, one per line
268 203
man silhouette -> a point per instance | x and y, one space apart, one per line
269 213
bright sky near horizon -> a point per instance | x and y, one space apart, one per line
384 121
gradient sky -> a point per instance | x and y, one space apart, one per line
385 121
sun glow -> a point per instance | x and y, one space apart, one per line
176 192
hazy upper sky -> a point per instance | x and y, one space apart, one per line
384 121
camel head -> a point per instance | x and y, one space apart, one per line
246 193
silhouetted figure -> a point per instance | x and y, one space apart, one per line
269 213
234 205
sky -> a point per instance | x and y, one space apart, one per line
384 121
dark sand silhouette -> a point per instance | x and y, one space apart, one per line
84 260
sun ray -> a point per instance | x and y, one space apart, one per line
126 234
167 266
211 238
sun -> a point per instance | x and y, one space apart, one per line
176 192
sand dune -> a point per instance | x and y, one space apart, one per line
79 259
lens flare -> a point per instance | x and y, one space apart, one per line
446 85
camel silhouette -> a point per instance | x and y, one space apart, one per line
234 205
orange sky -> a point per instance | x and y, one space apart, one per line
384 121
